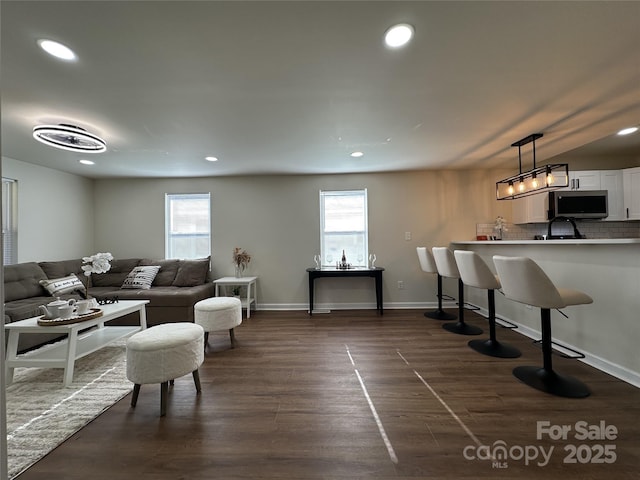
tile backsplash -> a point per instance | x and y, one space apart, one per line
588 228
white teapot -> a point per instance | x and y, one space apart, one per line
51 310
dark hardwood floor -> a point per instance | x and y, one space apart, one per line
353 395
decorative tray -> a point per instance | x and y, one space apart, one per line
93 313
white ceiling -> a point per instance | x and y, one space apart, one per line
294 87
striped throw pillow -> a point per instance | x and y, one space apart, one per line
141 277
62 285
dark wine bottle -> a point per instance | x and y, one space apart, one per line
344 258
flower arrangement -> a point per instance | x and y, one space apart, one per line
500 226
240 259
98 263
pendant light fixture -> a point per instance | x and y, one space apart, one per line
537 180
69 137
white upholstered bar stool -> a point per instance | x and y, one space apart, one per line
446 263
525 282
428 265
475 273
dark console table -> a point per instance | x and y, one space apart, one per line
376 273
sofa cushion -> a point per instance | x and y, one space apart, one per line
116 274
23 281
62 285
161 296
29 307
192 272
64 268
141 277
167 273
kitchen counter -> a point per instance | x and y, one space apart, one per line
608 269
567 241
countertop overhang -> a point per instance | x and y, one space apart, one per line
568 241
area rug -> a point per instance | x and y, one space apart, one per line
42 413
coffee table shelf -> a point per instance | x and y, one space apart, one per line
82 339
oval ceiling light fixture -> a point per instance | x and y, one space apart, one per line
628 131
211 159
57 50
86 162
357 154
69 137
398 35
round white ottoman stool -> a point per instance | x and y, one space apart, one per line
162 353
218 313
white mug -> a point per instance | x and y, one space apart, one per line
82 307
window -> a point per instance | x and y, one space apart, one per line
188 225
343 226
9 221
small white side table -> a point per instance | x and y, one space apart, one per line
249 282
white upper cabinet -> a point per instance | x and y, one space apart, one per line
611 181
584 180
531 209
631 187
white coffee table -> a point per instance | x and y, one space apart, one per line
64 353
249 282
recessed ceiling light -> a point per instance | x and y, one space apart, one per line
87 162
69 137
357 154
628 131
398 35
57 50
211 159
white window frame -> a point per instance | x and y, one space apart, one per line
357 257
171 233
9 221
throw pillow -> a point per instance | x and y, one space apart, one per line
192 272
167 273
62 285
141 277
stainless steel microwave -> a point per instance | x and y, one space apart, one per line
578 204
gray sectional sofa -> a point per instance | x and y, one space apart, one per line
178 285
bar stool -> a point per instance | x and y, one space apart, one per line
474 272
525 282
446 263
428 265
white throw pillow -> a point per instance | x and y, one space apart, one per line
62 285
141 277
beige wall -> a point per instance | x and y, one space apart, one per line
276 219
55 212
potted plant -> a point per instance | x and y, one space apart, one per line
241 260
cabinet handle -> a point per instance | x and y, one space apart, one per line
577 184
573 184
627 212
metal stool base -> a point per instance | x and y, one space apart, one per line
551 382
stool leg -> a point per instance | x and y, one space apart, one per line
233 338
196 380
440 314
206 340
164 388
461 327
492 347
545 378
134 396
